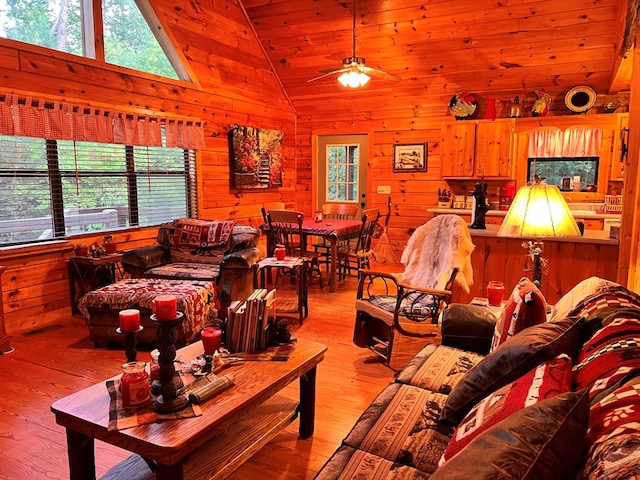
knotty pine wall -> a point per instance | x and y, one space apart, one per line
234 84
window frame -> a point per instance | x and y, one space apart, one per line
55 174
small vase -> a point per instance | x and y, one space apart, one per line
491 109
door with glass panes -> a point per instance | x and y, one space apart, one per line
342 169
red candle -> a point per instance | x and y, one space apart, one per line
165 307
495 292
211 339
129 320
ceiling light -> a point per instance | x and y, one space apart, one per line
353 79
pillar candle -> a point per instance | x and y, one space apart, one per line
129 320
165 307
211 339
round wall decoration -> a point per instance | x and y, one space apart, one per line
580 99
463 106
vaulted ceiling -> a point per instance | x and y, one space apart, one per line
493 48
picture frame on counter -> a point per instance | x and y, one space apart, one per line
410 157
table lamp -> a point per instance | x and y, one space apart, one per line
538 211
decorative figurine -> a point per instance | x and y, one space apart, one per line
542 103
480 206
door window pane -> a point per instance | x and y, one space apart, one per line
342 173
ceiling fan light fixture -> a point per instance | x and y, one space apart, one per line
354 79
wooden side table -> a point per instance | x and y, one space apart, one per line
89 273
286 307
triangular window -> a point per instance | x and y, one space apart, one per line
131 33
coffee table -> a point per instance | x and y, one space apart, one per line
234 425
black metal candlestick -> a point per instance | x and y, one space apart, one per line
130 343
168 401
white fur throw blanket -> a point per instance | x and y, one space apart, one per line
434 250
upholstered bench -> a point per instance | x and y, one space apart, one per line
197 299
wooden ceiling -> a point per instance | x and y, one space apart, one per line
493 48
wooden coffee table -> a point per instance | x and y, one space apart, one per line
233 426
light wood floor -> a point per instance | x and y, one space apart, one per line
53 363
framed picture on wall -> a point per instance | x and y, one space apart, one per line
257 157
410 157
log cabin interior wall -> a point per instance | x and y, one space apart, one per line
252 60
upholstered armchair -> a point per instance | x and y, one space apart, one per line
398 313
189 249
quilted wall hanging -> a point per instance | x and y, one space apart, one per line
257 157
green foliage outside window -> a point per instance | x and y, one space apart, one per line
56 24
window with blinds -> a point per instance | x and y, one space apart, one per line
55 189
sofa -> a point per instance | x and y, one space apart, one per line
554 395
195 249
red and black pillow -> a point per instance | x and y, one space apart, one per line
526 306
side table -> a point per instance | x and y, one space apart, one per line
89 273
286 307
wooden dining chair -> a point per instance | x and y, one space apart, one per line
267 207
333 210
285 228
357 256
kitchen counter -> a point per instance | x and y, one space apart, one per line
590 236
578 214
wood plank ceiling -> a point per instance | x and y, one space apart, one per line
493 48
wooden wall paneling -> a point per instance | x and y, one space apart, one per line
238 88
586 258
515 261
562 263
608 256
5 340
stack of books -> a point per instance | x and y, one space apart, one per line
249 323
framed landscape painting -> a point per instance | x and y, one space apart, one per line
410 157
257 157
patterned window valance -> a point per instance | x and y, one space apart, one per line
573 142
22 116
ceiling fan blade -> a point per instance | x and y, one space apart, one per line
380 73
327 73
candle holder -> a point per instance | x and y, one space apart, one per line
130 343
167 386
211 339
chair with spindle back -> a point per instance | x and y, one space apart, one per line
285 227
357 256
342 211
266 207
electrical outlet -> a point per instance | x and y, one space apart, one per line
384 188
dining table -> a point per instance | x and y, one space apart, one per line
331 230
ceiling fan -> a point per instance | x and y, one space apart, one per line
354 71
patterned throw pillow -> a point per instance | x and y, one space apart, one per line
614 435
194 233
611 354
544 441
525 307
544 381
511 360
582 290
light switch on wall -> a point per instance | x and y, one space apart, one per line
384 188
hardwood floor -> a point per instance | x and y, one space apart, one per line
60 360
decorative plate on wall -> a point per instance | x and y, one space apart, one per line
463 106
580 99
